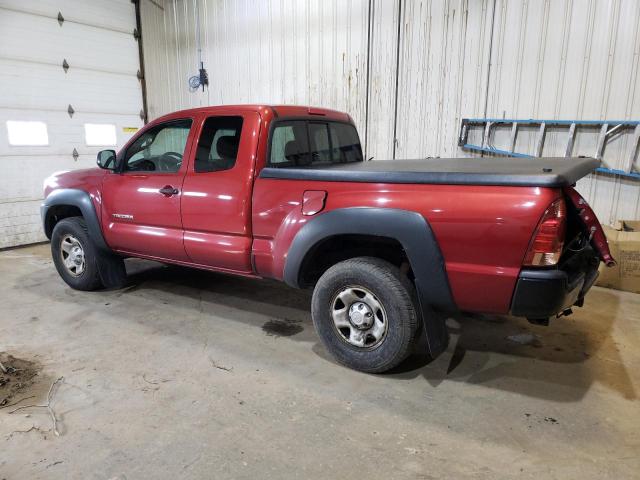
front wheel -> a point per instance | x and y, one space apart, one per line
363 311
74 255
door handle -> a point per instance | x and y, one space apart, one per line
168 191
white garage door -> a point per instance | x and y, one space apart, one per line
38 135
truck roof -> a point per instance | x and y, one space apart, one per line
275 110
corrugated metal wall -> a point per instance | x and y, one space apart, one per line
260 52
571 59
410 70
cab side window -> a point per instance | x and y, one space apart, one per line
321 151
159 149
218 144
301 143
290 145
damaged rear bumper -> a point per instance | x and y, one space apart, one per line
540 294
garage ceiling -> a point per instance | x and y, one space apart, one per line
37 40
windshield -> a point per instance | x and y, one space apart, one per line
301 143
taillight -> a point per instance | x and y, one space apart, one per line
546 245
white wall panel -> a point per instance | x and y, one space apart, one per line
258 52
65 133
383 64
117 15
85 90
83 46
568 59
560 59
444 48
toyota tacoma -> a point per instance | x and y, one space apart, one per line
389 247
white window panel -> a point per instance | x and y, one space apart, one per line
100 134
27 133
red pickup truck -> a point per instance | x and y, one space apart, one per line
390 247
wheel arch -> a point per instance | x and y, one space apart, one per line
333 249
70 202
408 229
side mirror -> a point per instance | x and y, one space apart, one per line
107 159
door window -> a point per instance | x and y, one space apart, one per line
218 144
160 149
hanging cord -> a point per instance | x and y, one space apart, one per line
202 78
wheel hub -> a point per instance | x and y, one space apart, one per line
361 315
72 255
77 255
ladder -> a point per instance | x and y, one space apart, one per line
484 130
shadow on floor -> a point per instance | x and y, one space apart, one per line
561 364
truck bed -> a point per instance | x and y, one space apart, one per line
539 172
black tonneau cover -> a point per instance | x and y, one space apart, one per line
538 172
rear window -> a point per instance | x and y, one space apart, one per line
300 143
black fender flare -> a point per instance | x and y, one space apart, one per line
415 235
111 267
81 200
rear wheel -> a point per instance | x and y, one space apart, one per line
74 255
363 311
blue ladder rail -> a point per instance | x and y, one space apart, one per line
607 129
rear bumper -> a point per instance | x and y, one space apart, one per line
541 294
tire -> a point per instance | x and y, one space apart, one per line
74 254
352 331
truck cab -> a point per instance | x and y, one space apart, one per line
181 190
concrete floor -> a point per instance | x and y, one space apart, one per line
187 374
